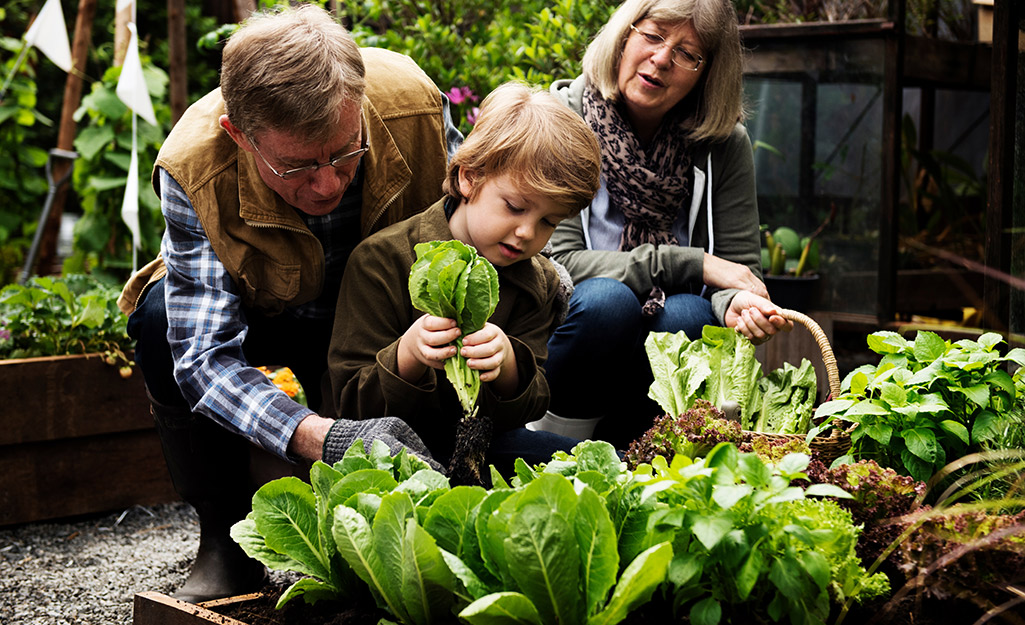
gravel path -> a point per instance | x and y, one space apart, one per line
87 571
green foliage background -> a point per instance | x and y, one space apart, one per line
468 45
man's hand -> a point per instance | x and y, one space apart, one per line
756 317
392 431
724 274
319 438
308 439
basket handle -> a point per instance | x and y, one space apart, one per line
820 337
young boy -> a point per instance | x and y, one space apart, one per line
528 164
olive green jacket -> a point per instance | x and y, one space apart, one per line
374 311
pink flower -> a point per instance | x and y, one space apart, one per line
458 95
471 115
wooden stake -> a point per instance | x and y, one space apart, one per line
67 130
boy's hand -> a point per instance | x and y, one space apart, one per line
489 351
426 343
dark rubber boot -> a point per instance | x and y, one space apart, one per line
210 470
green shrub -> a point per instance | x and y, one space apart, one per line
102 241
77 314
22 181
479 44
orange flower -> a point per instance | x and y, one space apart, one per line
285 380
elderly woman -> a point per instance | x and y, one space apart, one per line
671 241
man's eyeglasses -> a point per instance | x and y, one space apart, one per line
679 56
336 162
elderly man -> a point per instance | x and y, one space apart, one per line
266 185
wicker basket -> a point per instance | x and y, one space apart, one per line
827 447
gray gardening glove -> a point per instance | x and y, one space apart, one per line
392 431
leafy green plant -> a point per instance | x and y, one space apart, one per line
478 44
748 545
772 449
76 314
423 549
787 399
580 539
553 548
927 402
449 279
963 550
758 544
694 433
309 528
102 242
23 186
721 368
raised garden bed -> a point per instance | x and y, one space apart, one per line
77 439
154 608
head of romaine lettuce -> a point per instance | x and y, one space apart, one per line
449 279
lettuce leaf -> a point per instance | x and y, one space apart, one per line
788 400
449 279
720 367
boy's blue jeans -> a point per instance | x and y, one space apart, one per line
597 365
301 346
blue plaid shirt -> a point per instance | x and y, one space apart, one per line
206 326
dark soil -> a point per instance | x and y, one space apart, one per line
473 436
911 611
262 611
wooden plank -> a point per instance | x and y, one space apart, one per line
154 608
53 479
818 60
1004 110
947 64
69 396
804 31
918 291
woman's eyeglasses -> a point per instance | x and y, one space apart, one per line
679 56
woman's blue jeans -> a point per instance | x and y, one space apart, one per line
597 365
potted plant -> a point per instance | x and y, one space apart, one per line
790 264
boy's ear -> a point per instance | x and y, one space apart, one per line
466 182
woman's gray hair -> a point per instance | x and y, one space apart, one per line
293 70
717 101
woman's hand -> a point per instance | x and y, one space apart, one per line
489 351
724 274
426 343
756 317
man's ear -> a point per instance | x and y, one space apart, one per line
236 135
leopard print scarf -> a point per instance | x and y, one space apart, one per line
648 184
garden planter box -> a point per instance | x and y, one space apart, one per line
154 608
76 438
